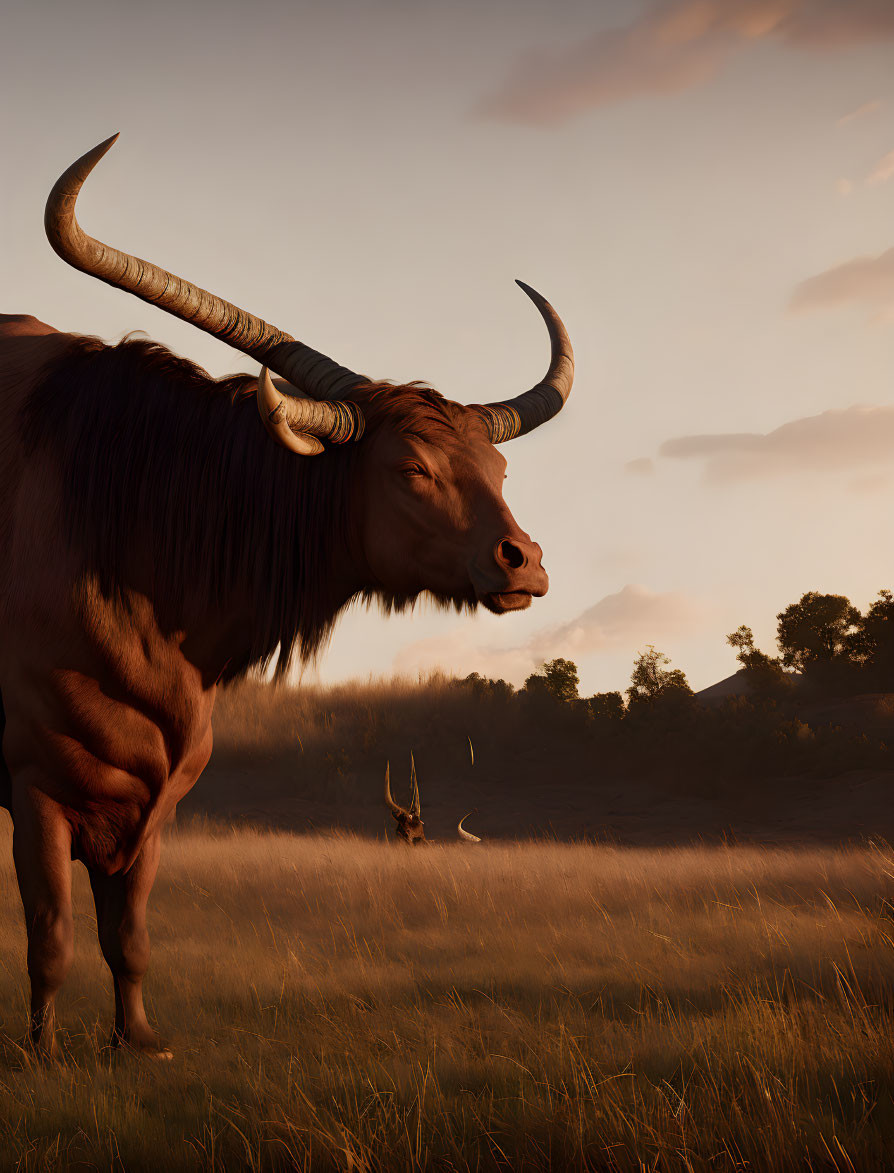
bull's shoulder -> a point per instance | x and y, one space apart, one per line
23 325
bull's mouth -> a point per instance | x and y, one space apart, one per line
502 601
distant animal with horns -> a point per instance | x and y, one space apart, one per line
410 827
162 533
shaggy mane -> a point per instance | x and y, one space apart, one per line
166 473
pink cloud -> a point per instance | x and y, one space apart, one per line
857 441
867 280
861 111
643 467
674 46
629 617
883 170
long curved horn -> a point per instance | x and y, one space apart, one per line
525 412
392 805
305 368
465 835
415 806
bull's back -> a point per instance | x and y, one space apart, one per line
26 346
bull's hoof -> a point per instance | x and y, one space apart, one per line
39 1052
42 1047
143 1046
41 1044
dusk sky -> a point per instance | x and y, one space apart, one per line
704 189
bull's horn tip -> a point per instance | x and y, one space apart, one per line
106 144
537 298
88 161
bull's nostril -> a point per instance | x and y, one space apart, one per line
511 555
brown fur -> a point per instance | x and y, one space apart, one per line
153 542
410 828
161 464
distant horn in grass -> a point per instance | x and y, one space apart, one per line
465 835
415 805
392 805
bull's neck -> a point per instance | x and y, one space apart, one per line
221 640
175 492
295 560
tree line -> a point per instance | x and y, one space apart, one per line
826 647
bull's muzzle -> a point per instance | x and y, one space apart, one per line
515 578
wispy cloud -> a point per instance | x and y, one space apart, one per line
883 170
860 112
880 173
630 617
673 46
866 280
643 467
856 440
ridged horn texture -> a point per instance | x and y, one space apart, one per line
389 801
295 423
415 806
528 411
307 369
465 835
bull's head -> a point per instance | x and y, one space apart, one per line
410 827
430 474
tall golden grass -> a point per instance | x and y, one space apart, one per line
334 1003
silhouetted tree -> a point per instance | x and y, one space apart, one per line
557 678
873 643
765 674
605 706
650 681
817 637
484 686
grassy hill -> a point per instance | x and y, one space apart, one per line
735 769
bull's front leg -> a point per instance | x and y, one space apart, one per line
41 845
121 901
5 777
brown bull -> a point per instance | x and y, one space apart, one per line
157 539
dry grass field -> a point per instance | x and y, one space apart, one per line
337 1003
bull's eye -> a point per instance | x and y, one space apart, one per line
413 470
